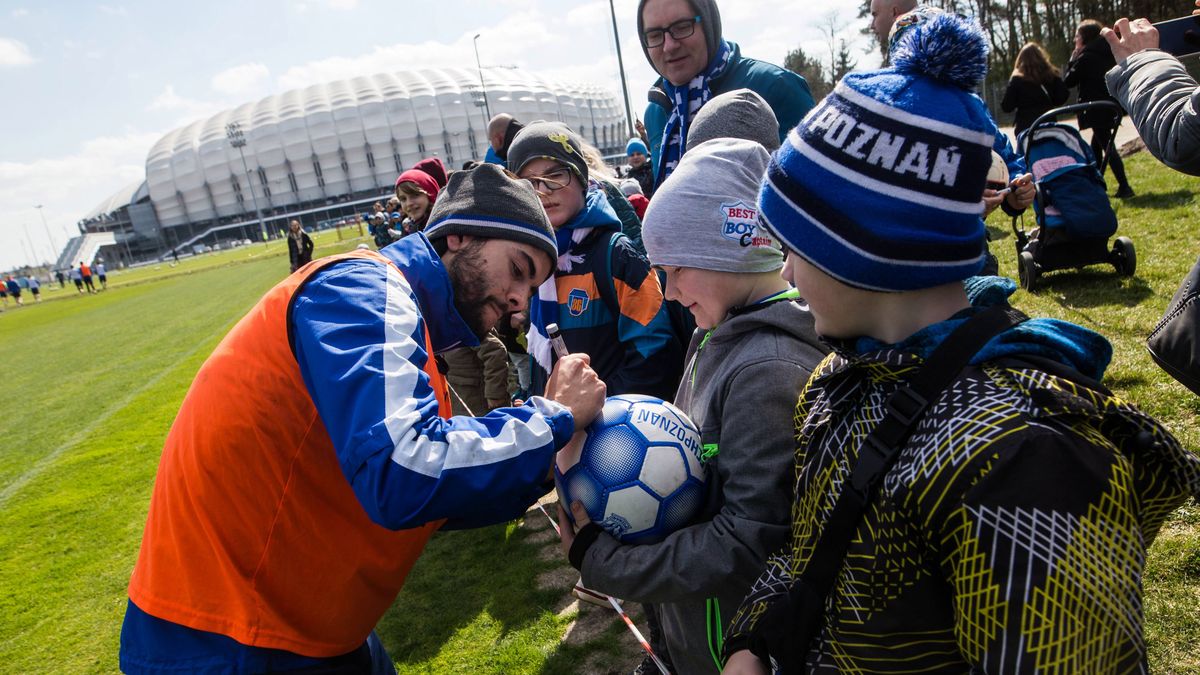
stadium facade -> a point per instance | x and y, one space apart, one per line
326 152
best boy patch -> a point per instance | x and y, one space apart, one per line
741 225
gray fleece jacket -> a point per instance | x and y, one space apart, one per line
740 388
1163 101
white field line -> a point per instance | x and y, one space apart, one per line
83 434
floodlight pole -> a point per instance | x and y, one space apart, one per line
233 131
49 236
482 86
29 245
621 66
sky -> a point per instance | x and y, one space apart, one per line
89 87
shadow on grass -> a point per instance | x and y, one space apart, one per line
460 575
999 232
1093 286
1161 200
596 657
1124 381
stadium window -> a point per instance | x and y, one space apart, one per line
396 159
292 182
317 168
370 158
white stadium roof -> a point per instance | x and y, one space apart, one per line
117 200
337 138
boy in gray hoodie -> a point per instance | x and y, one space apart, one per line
755 348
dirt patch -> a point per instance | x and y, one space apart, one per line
562 578
545 536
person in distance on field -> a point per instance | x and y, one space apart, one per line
314 454
300 246
1090 60
1035 86
77 277
755 348
86 272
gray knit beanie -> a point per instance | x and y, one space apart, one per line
705 215
740 113
549 140
710 25
486 202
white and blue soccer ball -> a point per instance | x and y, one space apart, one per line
638 473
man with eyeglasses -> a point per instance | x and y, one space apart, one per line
604 297
682 40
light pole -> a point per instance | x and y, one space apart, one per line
233 131
621 66
29 244
53 245
482 86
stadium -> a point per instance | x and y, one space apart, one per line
322 154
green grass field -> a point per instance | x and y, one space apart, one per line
89 386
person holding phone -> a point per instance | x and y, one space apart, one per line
1156 89
1089 62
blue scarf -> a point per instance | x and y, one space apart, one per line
595 214
686 101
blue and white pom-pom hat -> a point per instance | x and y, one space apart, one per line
881 185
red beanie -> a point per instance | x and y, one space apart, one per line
434 167
422 180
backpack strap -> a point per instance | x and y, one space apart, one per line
903 409
608 287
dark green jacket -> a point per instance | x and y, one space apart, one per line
785 91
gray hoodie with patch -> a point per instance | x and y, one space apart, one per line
740 388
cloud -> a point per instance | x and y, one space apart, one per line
187 109
344 5
68 187
247 79
14 53
496 48
119 10
20 12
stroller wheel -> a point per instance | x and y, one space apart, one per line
1027 271
1124 256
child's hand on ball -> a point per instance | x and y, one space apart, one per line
566 531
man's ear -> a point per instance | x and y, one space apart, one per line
457 242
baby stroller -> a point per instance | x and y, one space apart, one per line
1074 217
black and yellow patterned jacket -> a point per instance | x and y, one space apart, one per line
1009 536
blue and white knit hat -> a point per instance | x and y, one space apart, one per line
881 185
489 202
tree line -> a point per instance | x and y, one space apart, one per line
1009 25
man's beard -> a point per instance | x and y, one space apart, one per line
469 284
